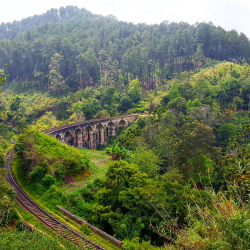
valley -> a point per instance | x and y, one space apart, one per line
141 131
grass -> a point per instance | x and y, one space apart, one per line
33 221
97 168
41 238
98 163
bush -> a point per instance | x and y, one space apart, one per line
135 244
60 172
2 157
48 180
37 149
54 196
7 205
84 209
85 229
38 173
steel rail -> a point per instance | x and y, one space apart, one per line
47 219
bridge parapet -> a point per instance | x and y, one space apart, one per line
90 134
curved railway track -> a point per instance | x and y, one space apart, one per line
47 219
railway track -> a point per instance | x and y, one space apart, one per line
47 219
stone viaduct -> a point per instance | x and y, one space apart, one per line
92 133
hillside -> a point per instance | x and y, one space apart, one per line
62 15
87 50
176 178
192 151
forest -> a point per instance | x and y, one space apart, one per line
176 178
69 49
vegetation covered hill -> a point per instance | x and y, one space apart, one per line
62 15
180 174
75 49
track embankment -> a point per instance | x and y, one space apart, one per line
47 219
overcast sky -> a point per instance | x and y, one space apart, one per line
229 14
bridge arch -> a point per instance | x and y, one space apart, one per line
68 138
122 123
59 138
110 130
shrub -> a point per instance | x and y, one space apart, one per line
2 157
7 205
55 196
85 229
48 180
60 172
37 149
135 244
38 173
84 209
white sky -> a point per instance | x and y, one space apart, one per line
229 14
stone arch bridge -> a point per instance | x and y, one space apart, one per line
92 133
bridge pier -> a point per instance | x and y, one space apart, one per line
102 141
78 138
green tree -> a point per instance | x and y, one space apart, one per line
125 103
194 104
108 98
87 106
199 57
174 92
103 63
3 75
57 84
122 180
179 104
15 104
147 160
194 140
238 102
86 67
72 82
48 180
48 120
127 227
102 114
122 175
38 173
135 91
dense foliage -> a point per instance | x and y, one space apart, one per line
13 234
179 176
7 204
70 48
196 137
43 157
15 238
65 15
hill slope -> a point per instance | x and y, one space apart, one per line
62 15
94 49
